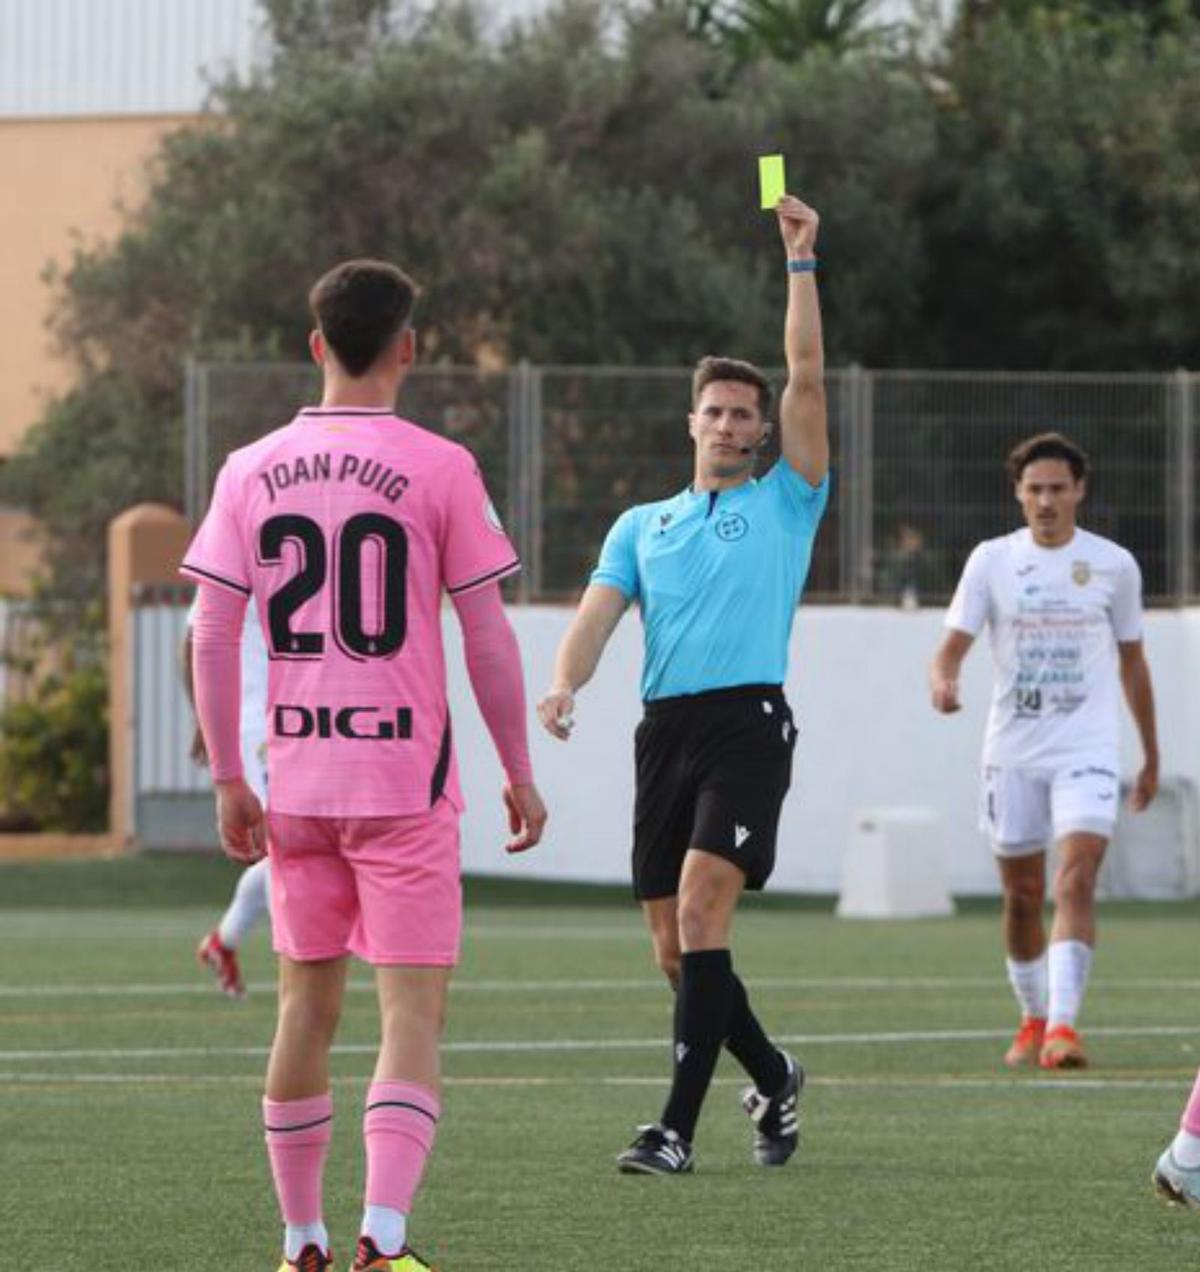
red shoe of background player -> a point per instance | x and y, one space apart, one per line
223 963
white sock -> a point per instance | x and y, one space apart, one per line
250 900
386 1227
1185 1149
1030 983
297 1235
1070 964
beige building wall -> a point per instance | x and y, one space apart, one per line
66 180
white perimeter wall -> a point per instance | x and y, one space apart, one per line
868 738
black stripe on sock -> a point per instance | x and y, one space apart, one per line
301 1126
401 1104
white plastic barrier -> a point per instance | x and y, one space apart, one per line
895 866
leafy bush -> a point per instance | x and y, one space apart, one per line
54 751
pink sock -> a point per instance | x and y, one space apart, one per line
298 1134
1191 1114
398 1129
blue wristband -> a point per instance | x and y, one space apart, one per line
808 266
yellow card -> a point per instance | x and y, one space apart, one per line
771 183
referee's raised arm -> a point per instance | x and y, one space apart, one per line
804 429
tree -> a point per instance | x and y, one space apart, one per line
346 25
581 189
1065 224
1159 16
560 197
785 30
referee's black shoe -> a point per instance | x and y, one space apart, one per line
776 1118
656 1151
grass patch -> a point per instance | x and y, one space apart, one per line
130 1094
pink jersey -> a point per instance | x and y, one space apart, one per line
344 527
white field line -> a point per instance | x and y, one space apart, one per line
72 927
610 985
506 1046
203 986
934 1082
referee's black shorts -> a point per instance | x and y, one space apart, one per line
712 771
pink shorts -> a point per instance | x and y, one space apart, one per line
388 889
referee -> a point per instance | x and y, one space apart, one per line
717 570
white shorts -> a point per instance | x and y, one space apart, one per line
1023 809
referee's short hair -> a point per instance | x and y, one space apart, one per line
710 369
360 307
1046 446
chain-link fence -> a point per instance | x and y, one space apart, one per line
918 461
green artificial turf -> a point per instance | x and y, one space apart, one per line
129 1126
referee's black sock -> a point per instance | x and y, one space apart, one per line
702 1006
751 1047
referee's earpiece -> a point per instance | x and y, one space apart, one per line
762 441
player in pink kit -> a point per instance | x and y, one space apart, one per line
345 527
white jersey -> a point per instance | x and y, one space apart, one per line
1056 616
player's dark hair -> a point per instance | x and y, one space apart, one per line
1046 446
710 369
360 307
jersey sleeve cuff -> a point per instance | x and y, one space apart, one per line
605 579
202 575
808 489
491 576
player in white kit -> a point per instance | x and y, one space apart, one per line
218 948
1065 611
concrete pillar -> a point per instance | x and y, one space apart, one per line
145 545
